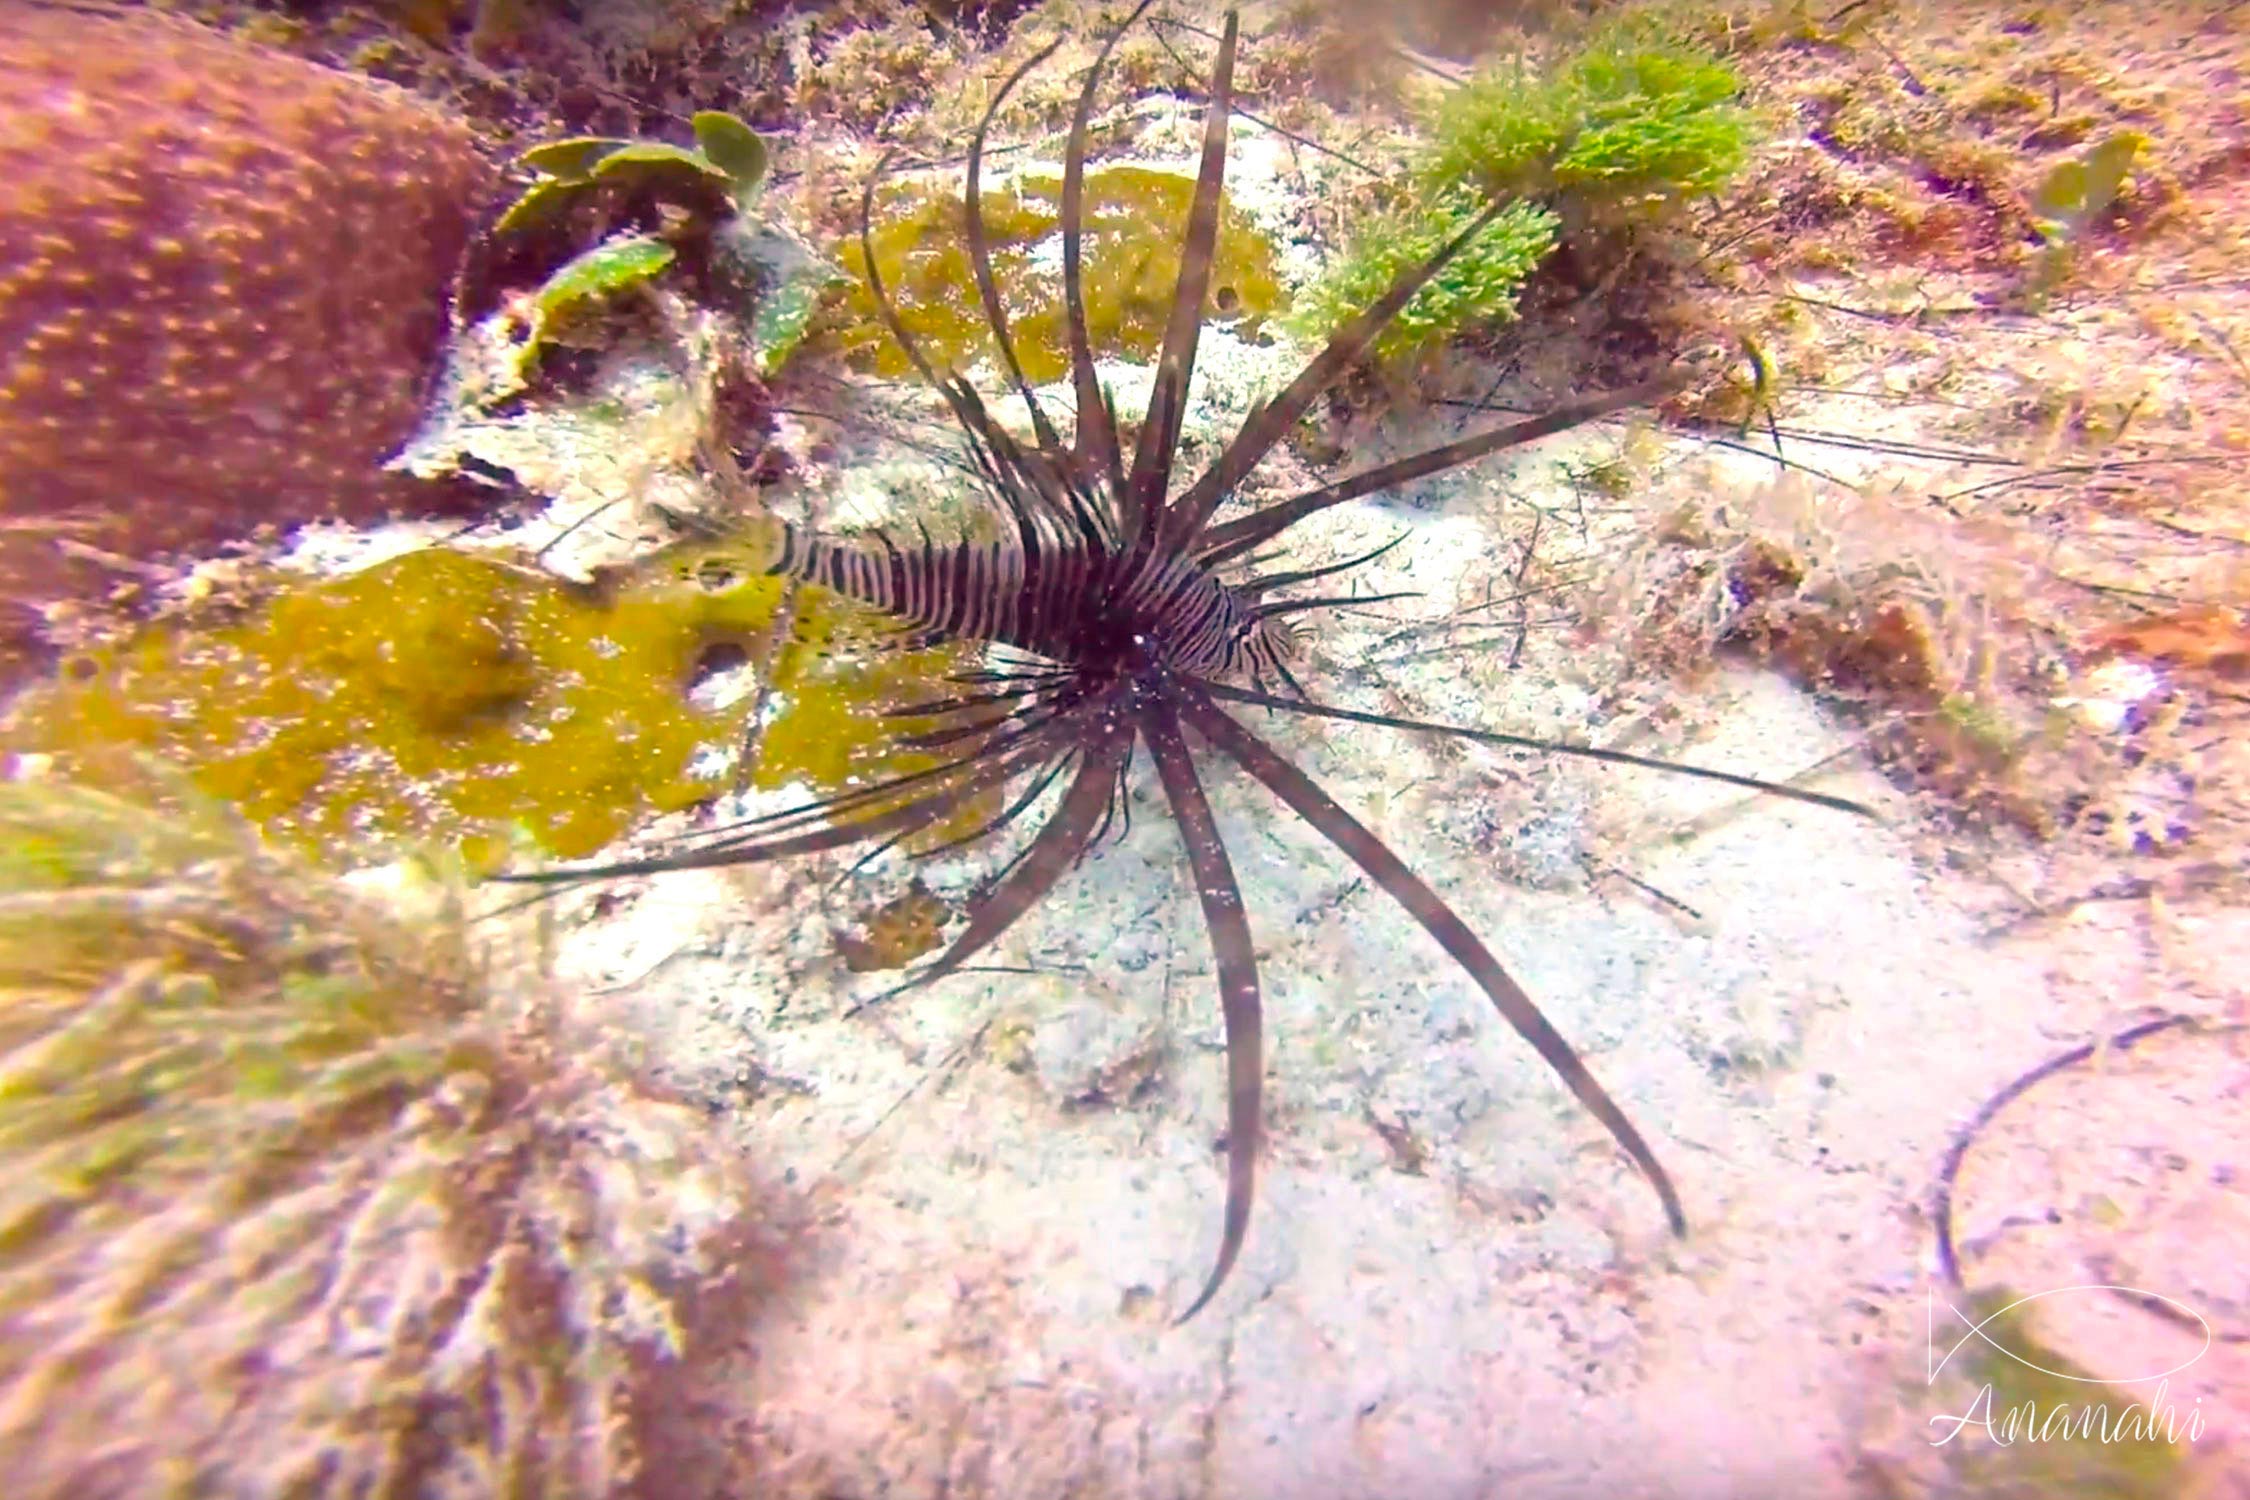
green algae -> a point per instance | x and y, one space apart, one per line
2072 200
1135 219
1633 117
734 148
454 695
592 279
1479 285
1604 141
728 157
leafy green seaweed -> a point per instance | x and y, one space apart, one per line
1479 285
1609 137
595 277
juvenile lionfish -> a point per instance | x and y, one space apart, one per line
1126 626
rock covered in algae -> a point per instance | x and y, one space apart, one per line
1135 219
297 1205
458 694
222 281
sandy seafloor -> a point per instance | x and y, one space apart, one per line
1003 1188
1453 1284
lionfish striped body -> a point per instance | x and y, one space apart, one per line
1032 592
1109 589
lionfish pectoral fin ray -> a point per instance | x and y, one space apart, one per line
1175 364
980 250
1052 851
1529 742
1222 544
964 411
1266 583
954 785
883 305
900 804
1236 958
1045 777
1435 917
1096 441
1273 421
1284 607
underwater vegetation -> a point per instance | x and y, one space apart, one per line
1606 139
728 158
1135 217
460 696
1478 286
1632 115
2071 201
298 1204
605 216
222 279
589 280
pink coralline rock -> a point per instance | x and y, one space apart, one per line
222 285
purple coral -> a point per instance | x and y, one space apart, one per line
222 277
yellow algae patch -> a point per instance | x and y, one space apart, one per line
1135 219
457 695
